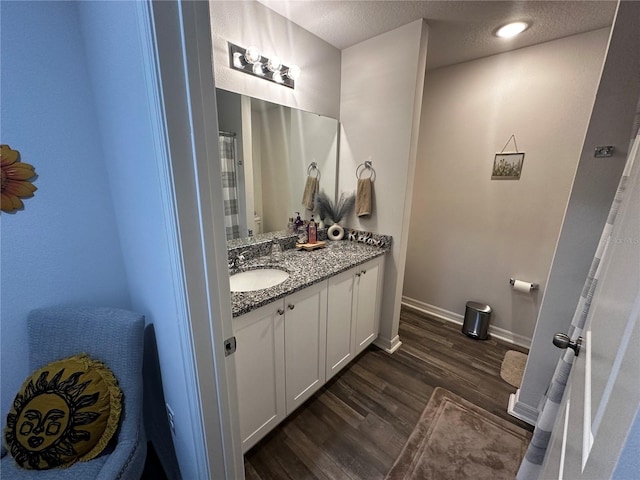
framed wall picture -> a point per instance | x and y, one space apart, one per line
507 166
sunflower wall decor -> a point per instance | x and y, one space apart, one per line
15 180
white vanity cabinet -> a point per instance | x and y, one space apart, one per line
353 313
260 371
289 348
280 359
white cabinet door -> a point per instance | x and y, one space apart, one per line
353 313
305 343
260 371
340 335
367 303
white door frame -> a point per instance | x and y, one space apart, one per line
186 84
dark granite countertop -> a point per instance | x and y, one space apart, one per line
305 269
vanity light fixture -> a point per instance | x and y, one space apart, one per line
251 61
511 29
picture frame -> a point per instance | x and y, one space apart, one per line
507 166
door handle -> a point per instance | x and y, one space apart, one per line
563 341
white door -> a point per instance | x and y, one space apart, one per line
603 391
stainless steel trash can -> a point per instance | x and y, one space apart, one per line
476 320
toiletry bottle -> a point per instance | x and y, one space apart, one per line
298 222
291 227
302 234
301 229
312 232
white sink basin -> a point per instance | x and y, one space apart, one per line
257 279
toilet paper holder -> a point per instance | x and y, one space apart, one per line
533 286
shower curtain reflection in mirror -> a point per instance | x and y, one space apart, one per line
230 184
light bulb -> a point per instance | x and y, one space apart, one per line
237 60
274 64
257 69
511 29
293 72
252 55
277 77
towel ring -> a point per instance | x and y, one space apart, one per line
314 167
366 166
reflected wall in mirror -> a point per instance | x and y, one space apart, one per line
266 152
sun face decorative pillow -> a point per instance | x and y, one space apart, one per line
65 412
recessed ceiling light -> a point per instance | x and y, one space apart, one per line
511 29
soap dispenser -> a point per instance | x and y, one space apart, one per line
301 230
312 231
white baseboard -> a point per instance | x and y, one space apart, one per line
448 316
389 346
520 410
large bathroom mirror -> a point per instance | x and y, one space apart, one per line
267 152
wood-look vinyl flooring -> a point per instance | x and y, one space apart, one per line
355 426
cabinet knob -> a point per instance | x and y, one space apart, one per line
280 311
358 274
291 307
364 271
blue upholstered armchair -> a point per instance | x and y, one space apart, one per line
114 337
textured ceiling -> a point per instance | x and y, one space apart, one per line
458 30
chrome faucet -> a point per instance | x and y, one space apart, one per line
240 259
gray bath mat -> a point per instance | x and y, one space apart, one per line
513 367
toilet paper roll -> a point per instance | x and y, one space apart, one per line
520 286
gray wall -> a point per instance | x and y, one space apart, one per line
248 23
380 118
95 232
469 234
63 248
124 95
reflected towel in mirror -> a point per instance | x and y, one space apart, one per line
310 192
